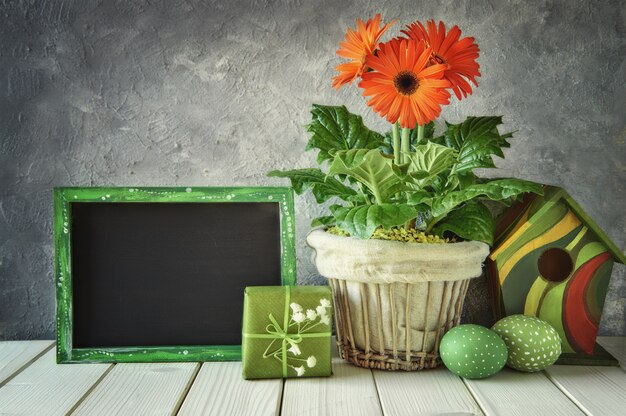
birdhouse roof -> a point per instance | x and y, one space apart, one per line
553 194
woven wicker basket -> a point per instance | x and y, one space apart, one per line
394 351
394 301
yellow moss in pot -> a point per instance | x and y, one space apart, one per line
410 235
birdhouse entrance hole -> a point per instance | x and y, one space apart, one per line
555 264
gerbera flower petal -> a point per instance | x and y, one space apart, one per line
401 85
461 86
459 55
450 39
423 59
358 44
433 71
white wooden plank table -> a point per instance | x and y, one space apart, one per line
45 388
431 392
31 383
18 354
219 390
140 389
513 393
351 390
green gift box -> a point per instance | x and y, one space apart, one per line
286 332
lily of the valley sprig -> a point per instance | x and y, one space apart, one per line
300 322
408 177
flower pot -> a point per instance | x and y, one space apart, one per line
394 300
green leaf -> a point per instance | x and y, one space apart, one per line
419 197
387 146
335 128
465 179
428 161
440 139
361 221
326 221
429 131
476 139
457 181
371 168
473 221
496 190
323 187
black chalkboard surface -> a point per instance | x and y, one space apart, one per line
153 279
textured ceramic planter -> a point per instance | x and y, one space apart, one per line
393 300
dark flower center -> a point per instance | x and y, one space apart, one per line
406 82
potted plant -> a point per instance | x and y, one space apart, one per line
408 227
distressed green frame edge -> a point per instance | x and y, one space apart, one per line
62 199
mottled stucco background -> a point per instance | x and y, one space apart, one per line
217 92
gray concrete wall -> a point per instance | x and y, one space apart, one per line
216 93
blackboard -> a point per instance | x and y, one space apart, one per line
158 274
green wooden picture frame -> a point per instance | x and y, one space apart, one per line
63 199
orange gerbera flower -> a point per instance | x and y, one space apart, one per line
402 85
458 55
357 45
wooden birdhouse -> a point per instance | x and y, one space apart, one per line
552 261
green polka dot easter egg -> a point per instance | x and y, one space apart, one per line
533 344
473 351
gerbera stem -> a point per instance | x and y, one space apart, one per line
406 148
406 143
420 134
395 132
